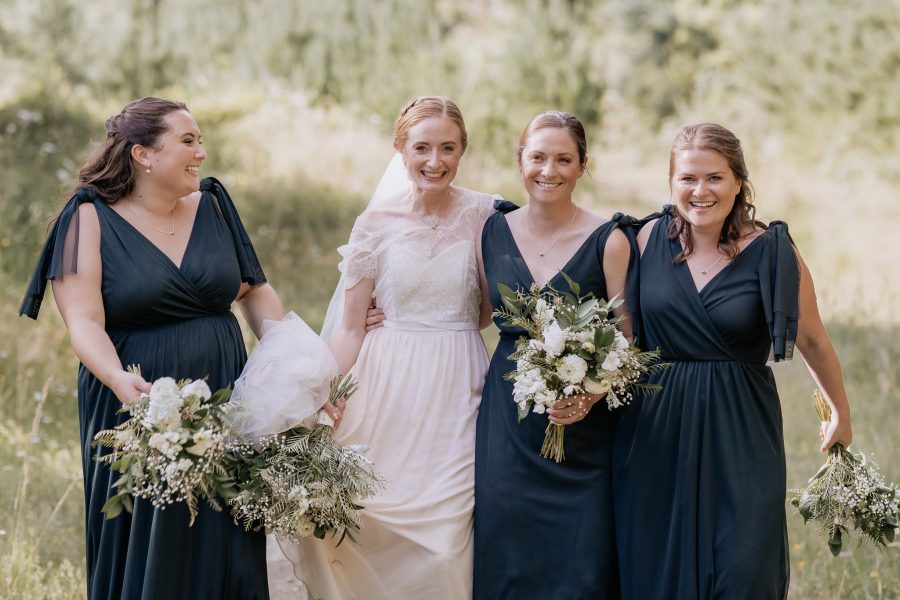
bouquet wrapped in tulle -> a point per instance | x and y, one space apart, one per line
294 479
847 494
172 449
572 345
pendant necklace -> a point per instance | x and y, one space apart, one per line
150 225
559 237
707 269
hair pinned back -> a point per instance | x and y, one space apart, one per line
110 170
424 107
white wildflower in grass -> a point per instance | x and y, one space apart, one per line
847 494
570 345
172 449
302 483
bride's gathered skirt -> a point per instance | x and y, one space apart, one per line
415 410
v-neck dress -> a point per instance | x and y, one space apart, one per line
173 321
699 468
543 530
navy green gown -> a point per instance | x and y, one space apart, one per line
543 530
699 468
173 321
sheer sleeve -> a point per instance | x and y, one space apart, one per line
359 256
779 283
251 270
59 256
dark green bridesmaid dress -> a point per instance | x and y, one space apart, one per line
172 320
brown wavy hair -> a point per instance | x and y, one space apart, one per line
710 136
110 170
424 107
560 120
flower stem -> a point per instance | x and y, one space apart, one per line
553 442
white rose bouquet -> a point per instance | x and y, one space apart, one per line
301 482
571 345
172 449
847 494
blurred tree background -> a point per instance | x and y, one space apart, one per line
296 101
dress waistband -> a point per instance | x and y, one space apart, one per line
670 359
428 327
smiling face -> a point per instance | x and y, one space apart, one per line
431 154
176 159
704 187
549 164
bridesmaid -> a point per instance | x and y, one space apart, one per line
146 261
545 529
699 469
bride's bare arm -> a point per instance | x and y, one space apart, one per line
348 338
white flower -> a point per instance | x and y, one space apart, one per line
572 369
554 339
611 362
585 335
545 314
305 527
164 408
621 341
203 441
196 388
300 497
568 390
589 346
596 387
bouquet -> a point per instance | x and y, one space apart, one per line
302 483
571 346
846 494
172 449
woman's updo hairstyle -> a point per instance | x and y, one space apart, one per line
424 107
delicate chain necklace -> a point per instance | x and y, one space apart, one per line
150 225
561 232
715 262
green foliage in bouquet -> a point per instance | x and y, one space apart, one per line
847 494
571 345
302 483
172 449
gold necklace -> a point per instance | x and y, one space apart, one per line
706 270
150 225
561 232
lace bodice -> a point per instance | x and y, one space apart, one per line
425 273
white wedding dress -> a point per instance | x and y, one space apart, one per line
421 377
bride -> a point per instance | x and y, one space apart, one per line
420 375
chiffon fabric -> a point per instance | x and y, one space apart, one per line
420 377
543 530
172 320
699 468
